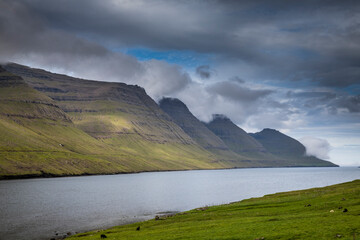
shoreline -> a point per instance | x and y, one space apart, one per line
52 175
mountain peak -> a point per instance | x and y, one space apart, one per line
180 113
173 102
270 130
220 117
235 137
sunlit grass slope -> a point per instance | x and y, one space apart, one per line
57 125
316 213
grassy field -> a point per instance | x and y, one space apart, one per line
316 213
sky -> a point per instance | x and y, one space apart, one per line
289 65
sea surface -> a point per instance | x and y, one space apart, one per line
41 208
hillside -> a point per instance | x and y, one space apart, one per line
37 137
287 148
53 124
316 213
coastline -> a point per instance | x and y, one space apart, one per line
52 175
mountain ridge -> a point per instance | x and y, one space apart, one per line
53 125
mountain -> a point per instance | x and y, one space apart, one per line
234 137
52 124
238 140
179 112
182 116
36 136
287 148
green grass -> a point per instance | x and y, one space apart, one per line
277 216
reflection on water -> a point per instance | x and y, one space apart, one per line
39 208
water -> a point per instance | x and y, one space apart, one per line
38 208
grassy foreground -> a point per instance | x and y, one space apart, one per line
316 213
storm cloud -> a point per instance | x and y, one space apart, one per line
316 41
27 38
280 64
236 92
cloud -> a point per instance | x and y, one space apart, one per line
236 92
276 47
308 41
204 71
249 107
27 39
351 103
316 147
162 79
237 79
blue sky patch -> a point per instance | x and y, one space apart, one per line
187 59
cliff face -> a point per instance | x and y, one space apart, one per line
287 148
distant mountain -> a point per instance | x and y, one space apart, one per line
287 148
234 137
179 112
237 139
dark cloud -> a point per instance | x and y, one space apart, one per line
236 92
29 38
237 79
318 103
204 71
312 98
351 103
283 44
307 40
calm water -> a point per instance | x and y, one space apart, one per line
37 208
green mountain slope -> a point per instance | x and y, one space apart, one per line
37 136
54 124
287 148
